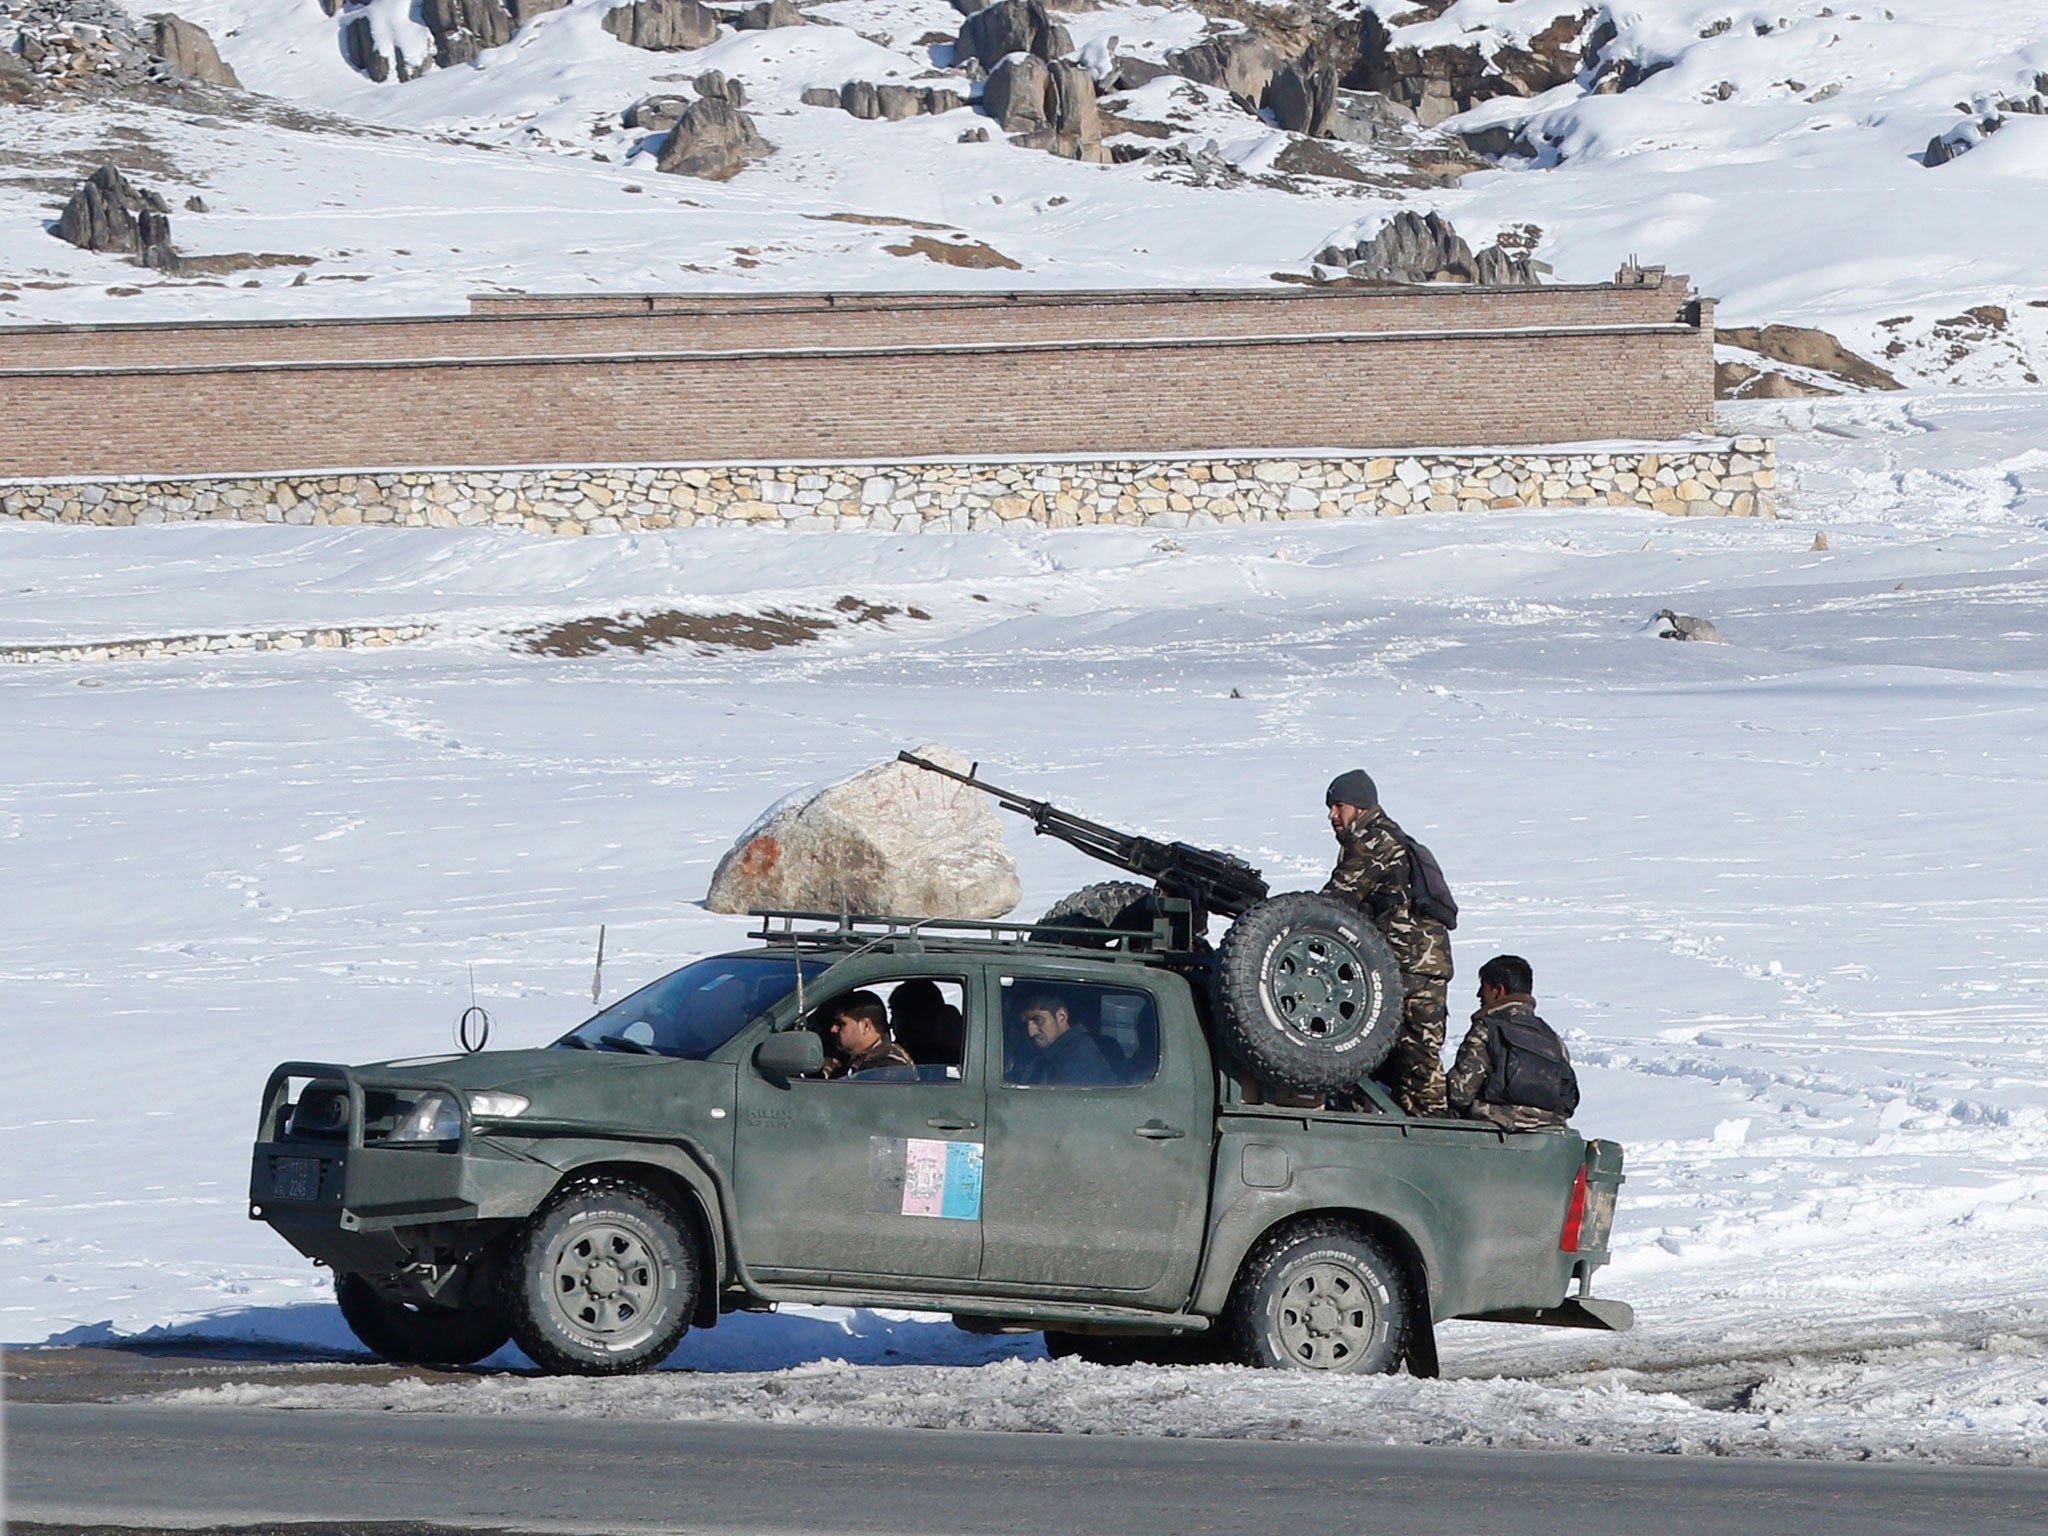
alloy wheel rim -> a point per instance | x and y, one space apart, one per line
1319 987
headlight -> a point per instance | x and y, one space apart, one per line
497 1106
437 1117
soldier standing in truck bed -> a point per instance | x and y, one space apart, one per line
1381 872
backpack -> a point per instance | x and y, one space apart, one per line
1428 891
1526 1065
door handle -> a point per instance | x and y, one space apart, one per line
947 1123
1154 1130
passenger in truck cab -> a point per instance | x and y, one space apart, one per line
1062 1051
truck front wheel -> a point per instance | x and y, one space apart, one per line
413 1335
1323 1296
602 1281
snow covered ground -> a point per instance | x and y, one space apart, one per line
1777 160
1784 896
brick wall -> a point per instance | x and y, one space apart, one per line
963 396
541 326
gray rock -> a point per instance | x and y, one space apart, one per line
464 28
937 100
1683 626
769 13
655 114
110 213
712 85
1242 63
359 47
1303 98
524 11
891 841
663 26
974 136
1497 268
859 98
1016 91
1410 248
896 102
713 141
187 49
820 96
1011 26
1132 73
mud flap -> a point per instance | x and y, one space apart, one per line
1572 1312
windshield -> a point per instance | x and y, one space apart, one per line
692 1012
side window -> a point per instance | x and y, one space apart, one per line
908 1029
1077 1035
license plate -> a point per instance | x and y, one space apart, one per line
295 1178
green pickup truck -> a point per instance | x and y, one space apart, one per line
1122 1187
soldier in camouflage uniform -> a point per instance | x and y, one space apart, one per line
1505 997
1373 873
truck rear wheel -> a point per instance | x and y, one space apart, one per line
602 1281
1307 992
1323 1296
414 1335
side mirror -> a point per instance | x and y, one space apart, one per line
793 1053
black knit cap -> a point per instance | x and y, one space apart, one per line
1353 788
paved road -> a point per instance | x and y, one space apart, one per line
148 1467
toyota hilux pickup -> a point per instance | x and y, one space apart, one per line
1125 1187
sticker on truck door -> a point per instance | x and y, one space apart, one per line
912 1176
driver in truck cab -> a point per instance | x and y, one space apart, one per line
860 1031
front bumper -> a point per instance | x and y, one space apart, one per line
370 1208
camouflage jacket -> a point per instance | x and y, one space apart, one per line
1372 874
887 1053
1466 1080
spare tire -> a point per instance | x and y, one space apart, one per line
1114 906
1308 995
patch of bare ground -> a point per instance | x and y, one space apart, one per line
775 629
965 253
878 221
242 261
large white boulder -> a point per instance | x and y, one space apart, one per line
893 841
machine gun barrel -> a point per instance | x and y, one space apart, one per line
1213 881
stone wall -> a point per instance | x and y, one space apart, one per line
343 637
1700 477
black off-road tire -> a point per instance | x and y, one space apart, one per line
1112 905
1321 1296
1308 995
417 1335
602 1281
1139 1349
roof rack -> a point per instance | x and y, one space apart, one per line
836 930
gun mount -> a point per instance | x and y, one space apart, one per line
1204 878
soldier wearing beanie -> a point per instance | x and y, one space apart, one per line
1375 872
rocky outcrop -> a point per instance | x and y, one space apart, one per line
1011 26
663 26
713 140
655 114
714 85
1424 248
110 213
890 101
186 48
1802 347
1303 98
363 49
1242 63
892 841
464 28
1049 106
1436 83
768 14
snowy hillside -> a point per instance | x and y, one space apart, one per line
1773 152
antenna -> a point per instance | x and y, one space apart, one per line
597 975
474 1020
